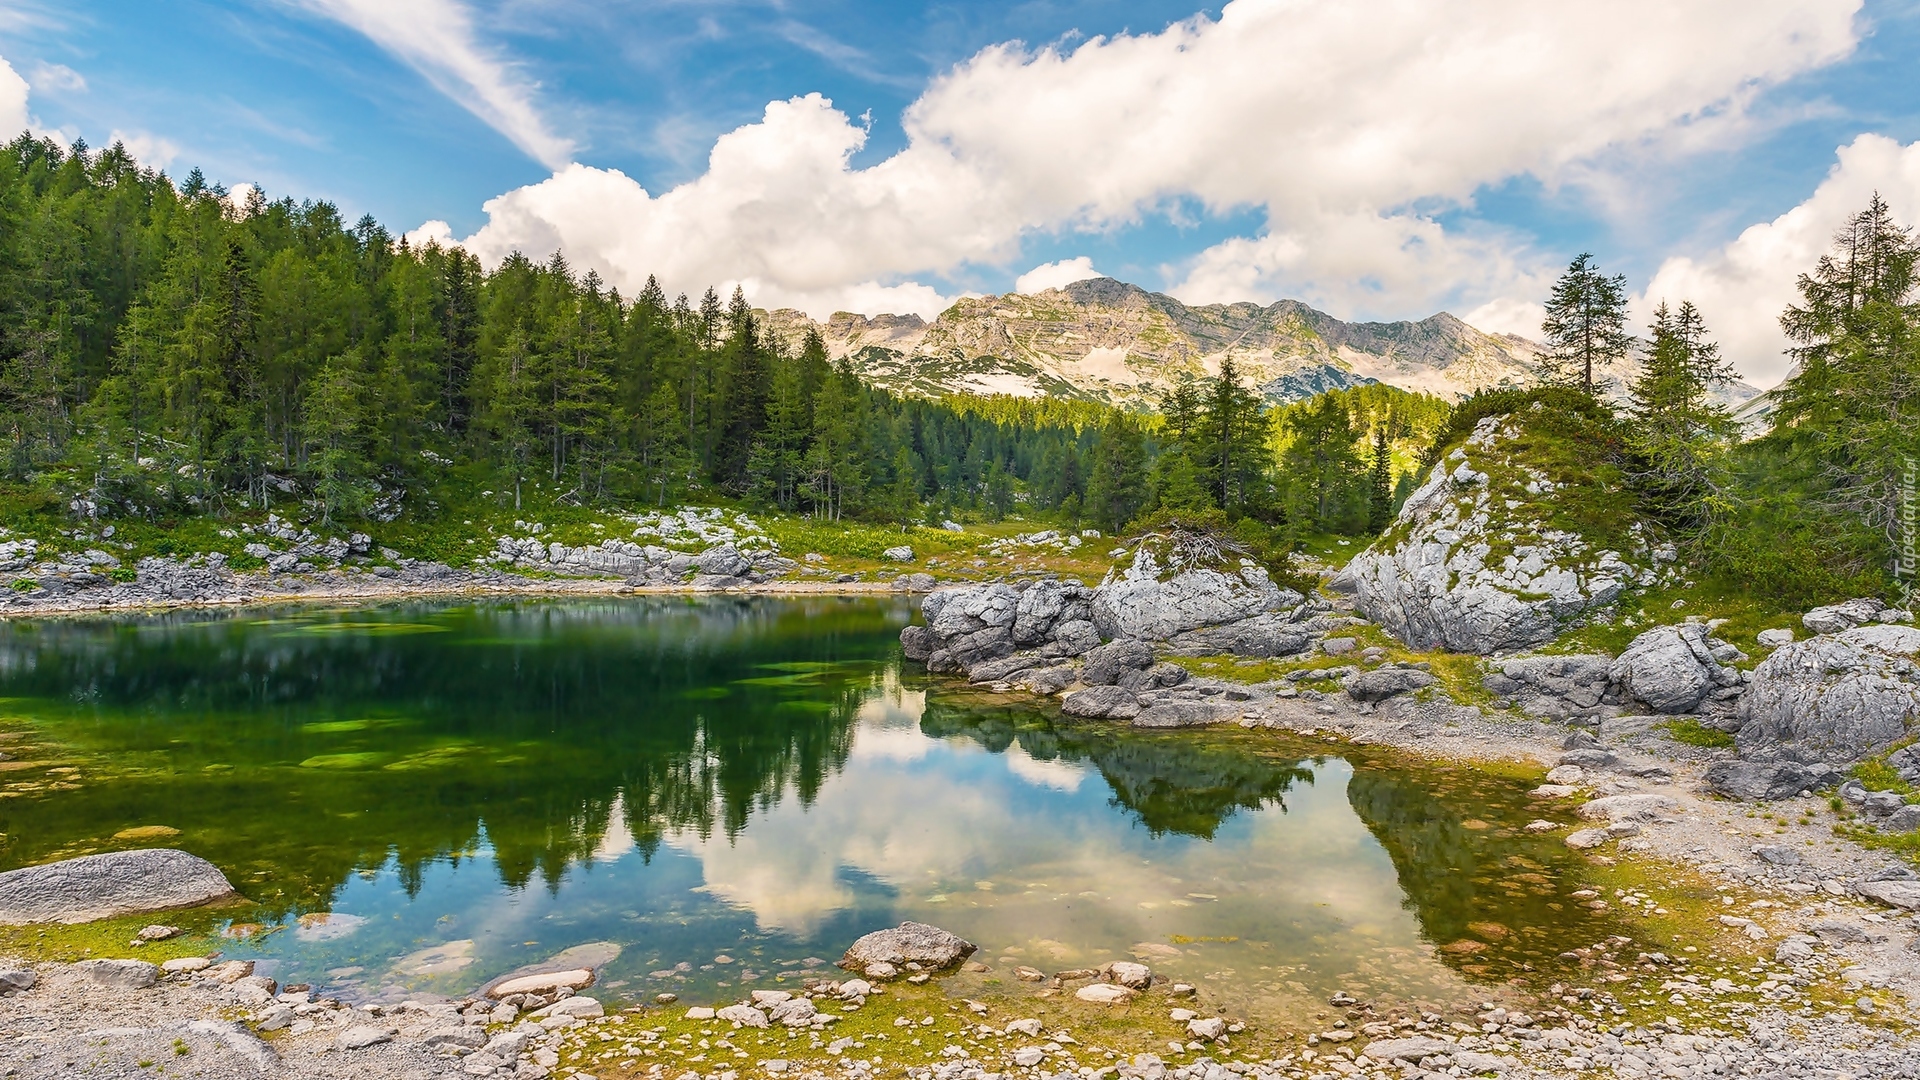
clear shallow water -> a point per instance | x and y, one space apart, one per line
427 796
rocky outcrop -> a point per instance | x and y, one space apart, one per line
1470 566
1834 618
1150 601
104 886
1675 669
1578 687
1833 698
1755 781
720 566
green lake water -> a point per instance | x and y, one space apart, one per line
425 796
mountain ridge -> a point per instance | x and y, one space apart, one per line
1111 341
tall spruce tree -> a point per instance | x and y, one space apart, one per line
1679 434
1853 400
1586 324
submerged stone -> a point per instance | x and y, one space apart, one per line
104 886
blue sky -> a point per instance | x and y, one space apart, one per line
1366 157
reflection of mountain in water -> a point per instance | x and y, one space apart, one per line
299 750
1170 782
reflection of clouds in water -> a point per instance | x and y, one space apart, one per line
1057 775
618 839
925 816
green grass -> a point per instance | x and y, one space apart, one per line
1639 611
1693 733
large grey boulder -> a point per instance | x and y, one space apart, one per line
1384 683
1556 687
1039 606
722 560
1105 665
1754 781
1101 703
104 886
965 610
1672 669
1267 635
908 943
1071 637
1834 618
1147 601
120 974
1835 697
1463 569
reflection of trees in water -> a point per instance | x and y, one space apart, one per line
1454 875
1172 782
307 752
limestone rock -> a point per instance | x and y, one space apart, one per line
120 974
1773 639
1836 697
361 1036
1383 683
104 886
1104 994
910 942
1171 714
1627 808
744 1015
1436 582
1101 703
1751 781
1138 603
1671 668
1901 893
584 1008
545 982
1261 636
1105 665
1409 1049
1071 637
1834 618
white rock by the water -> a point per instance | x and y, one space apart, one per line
120 974
542 983
106 886
1104 993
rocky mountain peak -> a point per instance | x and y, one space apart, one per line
1113 341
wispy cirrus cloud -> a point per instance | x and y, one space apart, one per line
437 38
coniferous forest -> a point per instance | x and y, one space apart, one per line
170 350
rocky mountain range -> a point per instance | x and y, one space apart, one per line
1109 341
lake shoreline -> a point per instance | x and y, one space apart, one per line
1699 843
332 586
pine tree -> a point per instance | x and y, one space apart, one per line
1678 433
1585 325
1380 482
1321 467
1117 478
1853 400
904 497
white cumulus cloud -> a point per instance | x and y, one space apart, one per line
1056 275
13 101
1742 288
437 39
1356 128
56 77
